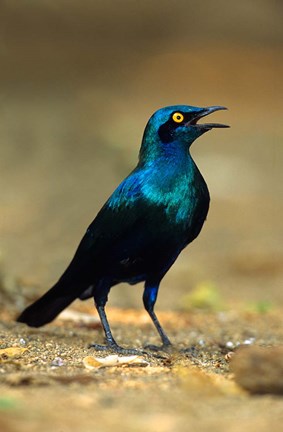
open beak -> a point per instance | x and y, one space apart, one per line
204 112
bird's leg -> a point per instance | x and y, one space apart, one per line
100 298
111 343
149 299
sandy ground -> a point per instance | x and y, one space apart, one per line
45 384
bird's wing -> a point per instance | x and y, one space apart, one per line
121 223
122 232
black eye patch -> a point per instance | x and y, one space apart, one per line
166 130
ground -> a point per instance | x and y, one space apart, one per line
46 385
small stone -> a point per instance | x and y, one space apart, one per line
249 341
57 362
259 370
23 342
229 344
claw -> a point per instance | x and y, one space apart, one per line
116 349
165 348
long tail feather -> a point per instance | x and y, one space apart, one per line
47 307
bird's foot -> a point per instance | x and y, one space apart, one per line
117 349
189 351
168 347
98 347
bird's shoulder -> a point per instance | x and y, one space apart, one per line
126 210
146 203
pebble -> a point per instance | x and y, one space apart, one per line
23 342
249 341
57 362
229 344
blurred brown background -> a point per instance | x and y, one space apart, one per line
78 82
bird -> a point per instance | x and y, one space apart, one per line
155 212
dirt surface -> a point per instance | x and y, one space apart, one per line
45 384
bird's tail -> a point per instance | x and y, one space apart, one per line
47 307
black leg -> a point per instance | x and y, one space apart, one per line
100 298
149 299
106 327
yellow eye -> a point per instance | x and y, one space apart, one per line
178 117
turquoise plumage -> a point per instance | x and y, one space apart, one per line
142 228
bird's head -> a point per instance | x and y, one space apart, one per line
180 123
177 125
